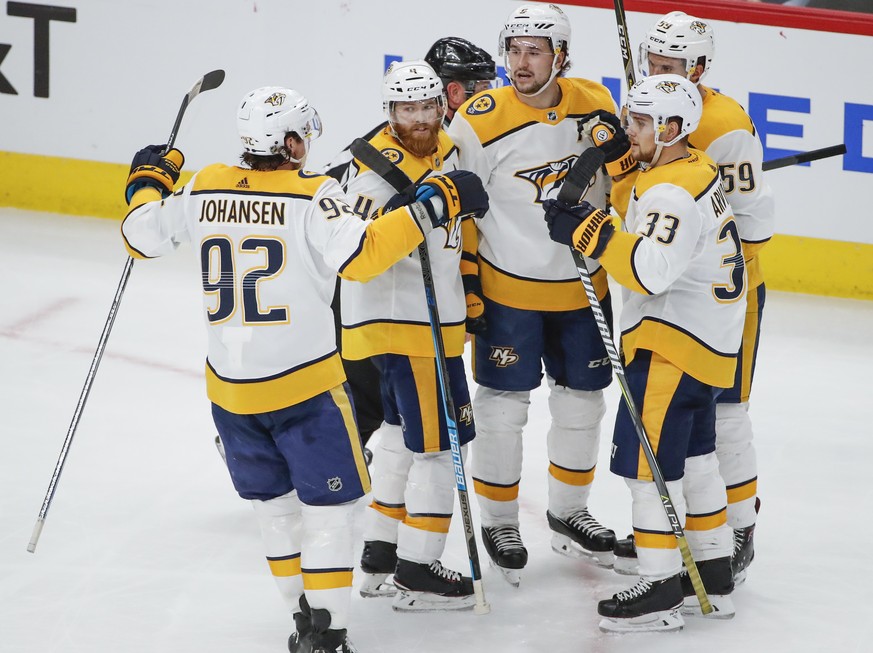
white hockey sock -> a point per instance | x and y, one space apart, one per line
281 525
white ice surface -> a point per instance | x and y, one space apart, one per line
147 548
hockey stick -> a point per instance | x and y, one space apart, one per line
575 184
624 43
208 82
373 159
804 157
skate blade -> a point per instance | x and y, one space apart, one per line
567 547
665 621
722 607
626 566
408 601
511 576
378 586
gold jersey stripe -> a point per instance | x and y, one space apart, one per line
328 579
536 295
252 397
737 493
341 399
429 523
646 540
619 258
387 240
706 522
384 337
496 492
682 349
285 567
570 476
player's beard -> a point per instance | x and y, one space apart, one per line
420 143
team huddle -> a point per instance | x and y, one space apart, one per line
676 214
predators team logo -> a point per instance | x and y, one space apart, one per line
698 27
394 156
276 99
503 356
667 87
482 104
548 177
466 414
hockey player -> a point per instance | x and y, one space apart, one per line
386 320
521 140
270 239
681 264
684 45
464 69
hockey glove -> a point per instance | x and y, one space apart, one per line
583 227
460 191
151 168
476 322
608 135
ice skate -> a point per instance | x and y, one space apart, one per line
743 553
506 551
718 583
326 639
581 536
300 640
220 446
647 606
430 587
378 562
626 562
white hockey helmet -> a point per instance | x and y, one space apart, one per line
268 113
663 97
549 21
411 81
679 36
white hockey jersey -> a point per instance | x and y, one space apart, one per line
681 264
388 315
269 246
727 135
522 155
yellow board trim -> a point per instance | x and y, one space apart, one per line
94 188
326 580
285 567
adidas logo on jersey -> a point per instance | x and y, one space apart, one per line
243 183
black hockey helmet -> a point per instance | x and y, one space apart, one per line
456 59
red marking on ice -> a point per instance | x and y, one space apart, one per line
33 319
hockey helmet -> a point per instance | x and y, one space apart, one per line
411 81
268 113
679 36
663 97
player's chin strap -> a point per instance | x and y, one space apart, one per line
555 71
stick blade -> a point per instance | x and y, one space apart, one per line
577 180
212 80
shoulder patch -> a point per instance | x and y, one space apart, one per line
482 104
394 155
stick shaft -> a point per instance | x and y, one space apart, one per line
804 157
208 82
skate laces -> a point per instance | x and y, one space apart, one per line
449 575
634 592
583 521
739 540
506 537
